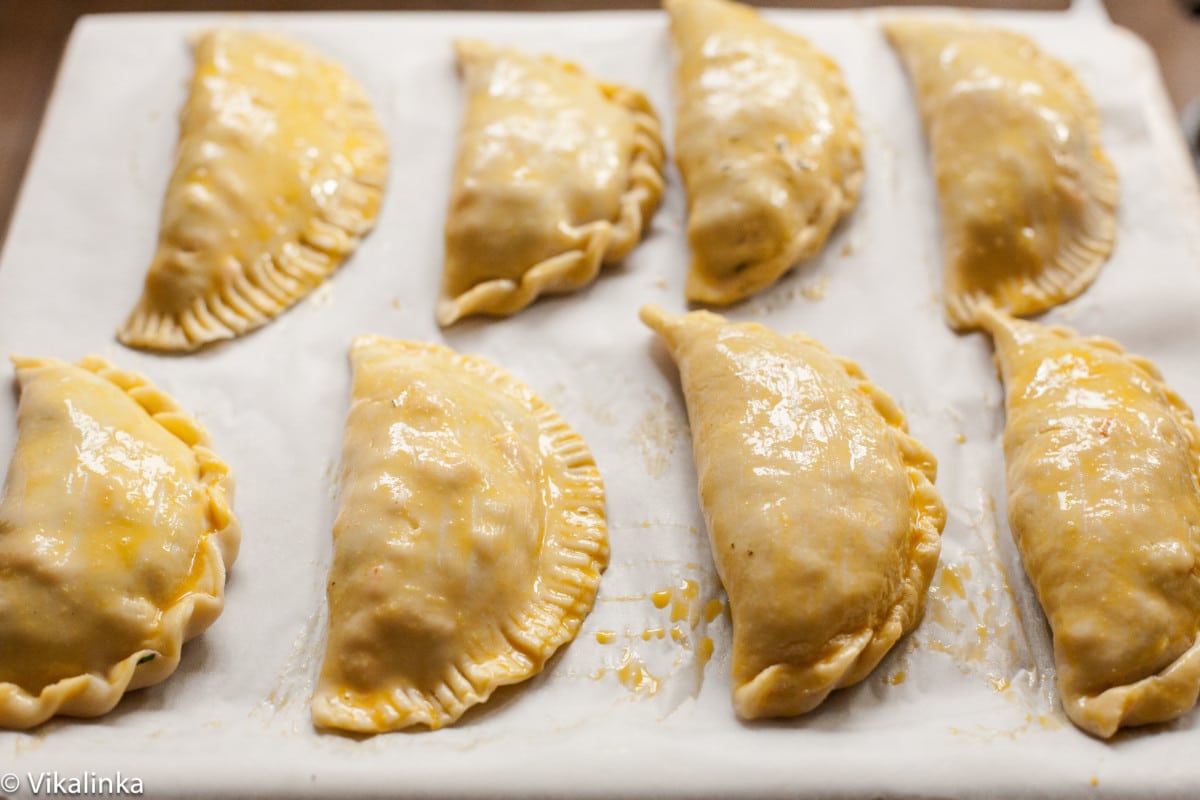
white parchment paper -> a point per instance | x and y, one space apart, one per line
964 707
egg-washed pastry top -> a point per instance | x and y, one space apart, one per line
469 540
115 534
279 172
1028 196
1103 473
768 144
556 174
824 522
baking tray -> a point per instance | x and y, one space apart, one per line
635 706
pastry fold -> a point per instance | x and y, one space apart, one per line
115 534
469 540
824 522
279 173
1028 197
768 144
557 174
1103 473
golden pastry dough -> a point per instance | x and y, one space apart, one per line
278 174
115 534
824 522
1027 195
767 142
556 174
1103 464
469 542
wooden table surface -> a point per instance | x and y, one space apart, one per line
33 33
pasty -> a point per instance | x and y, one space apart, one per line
279 171
824 522
556 174
469 542
767 142
1027 195
1102 463
115 534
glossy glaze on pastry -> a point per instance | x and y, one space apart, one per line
557 174
278 174
1028 197
824 522
469 542
1103 468
767 142
115 534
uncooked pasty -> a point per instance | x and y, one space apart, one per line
115 534
469 542
1027 195
824 522
279 171
767 142
556 174
1103 463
